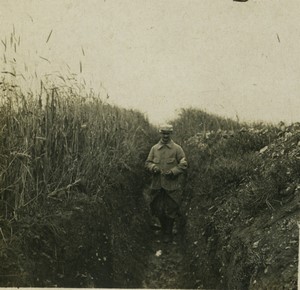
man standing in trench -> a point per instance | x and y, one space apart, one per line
166 161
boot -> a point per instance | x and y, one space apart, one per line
168 237
163 223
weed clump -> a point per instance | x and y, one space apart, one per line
242 199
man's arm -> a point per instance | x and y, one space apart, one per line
182 162
149 164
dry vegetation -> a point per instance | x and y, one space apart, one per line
59 147
72 212
71 178
242 203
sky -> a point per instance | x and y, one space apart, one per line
237 60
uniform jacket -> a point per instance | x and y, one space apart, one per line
168 156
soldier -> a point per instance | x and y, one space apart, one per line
166 161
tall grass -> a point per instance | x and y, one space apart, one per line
62 148
60 139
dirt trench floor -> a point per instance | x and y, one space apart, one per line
165 263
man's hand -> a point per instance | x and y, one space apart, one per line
156 170
169 173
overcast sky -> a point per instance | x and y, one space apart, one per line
229 58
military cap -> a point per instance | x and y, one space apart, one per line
166 128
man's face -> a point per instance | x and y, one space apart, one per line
165 136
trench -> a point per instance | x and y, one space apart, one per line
165 267
85 243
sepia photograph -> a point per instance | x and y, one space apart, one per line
150 144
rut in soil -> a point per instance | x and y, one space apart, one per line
165 262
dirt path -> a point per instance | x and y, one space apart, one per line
165 268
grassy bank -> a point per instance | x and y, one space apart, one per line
71 179
242 202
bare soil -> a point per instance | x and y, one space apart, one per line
165 263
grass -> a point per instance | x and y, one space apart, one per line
71 172
239 175
54 141
56 147
64 152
